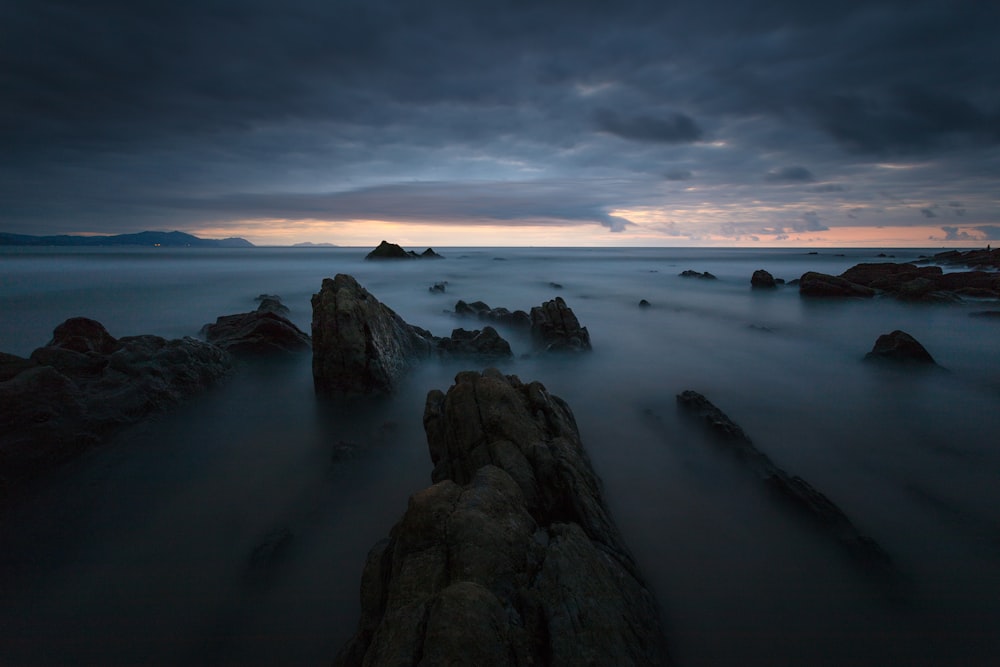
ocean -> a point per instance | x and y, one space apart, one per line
147 550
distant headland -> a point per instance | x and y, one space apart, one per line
154 239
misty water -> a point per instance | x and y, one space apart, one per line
146 550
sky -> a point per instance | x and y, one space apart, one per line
504 122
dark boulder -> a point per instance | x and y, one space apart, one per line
555 327
270 303
899 347
485 343
386 250
822 285
85 384
481 310
263 332
762 279
644 304
689 273
511 557
888 276
360 346
438 287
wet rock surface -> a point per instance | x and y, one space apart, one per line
263 332
555 327
904 281
360 345
81 386
511 557
791 489
900 347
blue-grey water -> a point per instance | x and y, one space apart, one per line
141 551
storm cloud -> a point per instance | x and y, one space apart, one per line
120 116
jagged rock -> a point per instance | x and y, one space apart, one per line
689 273
511 557
270 303
430 254
360 346
762 279
899 347
820 284
438 287
260 333
482 310
85 383
792 489
555 327
386 250
486 343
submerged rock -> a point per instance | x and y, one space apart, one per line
689 273
263 332
762 279
899 347
85 383
511 557
555 327
817 284
791 489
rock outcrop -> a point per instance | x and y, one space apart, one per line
263 332
360 345
511 557
482 311
555 327
85 383
386 250
984 258
485 344
901 348
793 490
904 281
690 273
762 279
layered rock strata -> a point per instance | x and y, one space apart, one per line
263 332
511 557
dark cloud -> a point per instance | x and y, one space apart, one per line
789 175
120 116
928 212
670 128
976 233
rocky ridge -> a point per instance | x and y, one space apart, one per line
511 557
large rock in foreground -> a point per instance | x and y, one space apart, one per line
360 345
511 558
85 383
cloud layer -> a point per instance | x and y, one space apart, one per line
682 121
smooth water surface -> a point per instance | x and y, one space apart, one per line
148 549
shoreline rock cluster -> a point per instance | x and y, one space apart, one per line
84 383
904 281
511 557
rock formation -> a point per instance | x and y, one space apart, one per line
689 273
555 327
762 279
360 346
978 257
386 250
85 383
263 332
482 311
511 557
908 282
794 490
899 347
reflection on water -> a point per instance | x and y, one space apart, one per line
233 530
